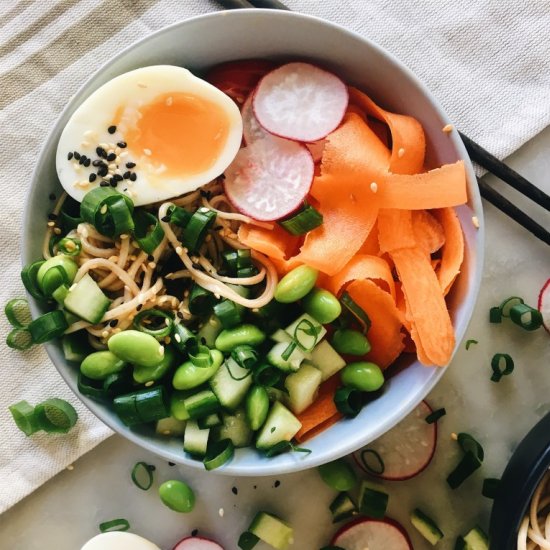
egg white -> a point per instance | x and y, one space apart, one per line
87 128
117 540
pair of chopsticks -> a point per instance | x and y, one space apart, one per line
479 155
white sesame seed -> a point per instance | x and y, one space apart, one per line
152 265
57 231
475 221
177 338
123 235
51 224
118 171
112 166
147 152
185 250
221 512
70 467
448 128
77 167
124 154
89 134
104 145
118 150
104 334
165 432
454 436
112 147
150 383
161 350
103 209
374 187
85 144
179 250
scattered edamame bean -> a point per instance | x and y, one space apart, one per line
100 364
338 475
322 305
142 374
243 334
137 347
296 284
188 375
363 376
350 341
257 407
177 495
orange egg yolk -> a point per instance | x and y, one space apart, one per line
183 132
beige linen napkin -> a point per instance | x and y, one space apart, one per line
487 62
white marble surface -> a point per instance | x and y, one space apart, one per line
66 511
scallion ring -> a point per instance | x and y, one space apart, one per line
469 343
56 415
267 375
201 357
284 446
229 313
28 276
90 388
178 216
247 540
527 317
507 305
495 315
245 356
376 468
218 454
471 461
156 322
142 475
357 311
435 416
501 369
197 228
19 339
147 231
119 524
491 487
309 329
348 401
109 211
48 326
24 416
288 351
236 378
305 220
183 338
69 246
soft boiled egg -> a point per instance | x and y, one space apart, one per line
153 133
118 540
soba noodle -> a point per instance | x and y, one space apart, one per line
534 531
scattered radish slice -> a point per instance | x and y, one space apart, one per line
316 149
301 102
544 305
405 450
269 178
373 534
197 543
252 129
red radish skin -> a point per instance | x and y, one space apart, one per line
252 129
544 305
269 178
384 534
300 101
197 543
316 149
407 449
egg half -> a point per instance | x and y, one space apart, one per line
118 540
153 133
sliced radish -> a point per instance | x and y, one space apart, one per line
300 101
544 305
197 543
252 129
269 178
316 149
374 534
405 450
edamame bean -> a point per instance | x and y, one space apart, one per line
322 305
363 376
296 284
137 347
142 374
177 405
350 341
257 407
100 364
188 375
68 265
243 334
177 495
338 475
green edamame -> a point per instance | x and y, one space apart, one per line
100 364
350 341
142 374
48 282
363 376
177 405
338 475
257 407
296 284
177 495
322 305
188 375
243 334
137 347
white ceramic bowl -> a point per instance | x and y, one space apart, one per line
204 41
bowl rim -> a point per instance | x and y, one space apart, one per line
274 466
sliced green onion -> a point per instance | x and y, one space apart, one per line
245 356
18 313
304 221
197 228
54 278
356 311
239 260
284 446
144 321
54 239
183 339
109 211
468 443
490 487
435 416
69 246
288 351
470 343
19 339
142 475
118 382
218 454
69 216
178 216
24 416
348 401
527 317
266 375
60 293
247 540
228 364
376 468
309 329
119 524
56 415
201 300
90 388
471 461
507 305
48 326
28 276
372 501
495 315
499 369
230 258
201 357
247 272
229 313
142 406
148 232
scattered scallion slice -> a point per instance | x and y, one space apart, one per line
490 487
247 540
24 416
245 356
356 311
28 276
56 415
19 339
178 216
148 232
288 351
507 305
527 317
375 466
119 524
109 211
229 313
197 228
183 338
48 326
495 315
144 321
201 300
267 375
90 388
469 343
500 369
348 401
470 462
18 312
142 475
284 446
306 327
69 246
305 220
201 357
435 415
218 454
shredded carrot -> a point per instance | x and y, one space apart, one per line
428 232
453 251
371 246
275 243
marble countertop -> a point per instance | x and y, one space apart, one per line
66 511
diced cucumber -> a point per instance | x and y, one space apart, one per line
326 359
476 539
209 331
373 501
280 425
280 336
426 526
210 421
230 384
195 440
272 530
275 394
170 426
342 507
60 293
303 387
306 341
202 403
87 300
235 427
292 364
177 405
76 346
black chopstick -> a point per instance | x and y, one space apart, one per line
235 4
269 4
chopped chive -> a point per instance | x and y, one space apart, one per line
142 475
309 329
490 487
119 524
245 356
470 462
356 311
288 351
284 446
304 221
18 312
348 401
507 305
201 357
527 317
148 232
247 540
48 326
435 416
495 315
56 415
500 369
161 322
378 467
229 313
470 343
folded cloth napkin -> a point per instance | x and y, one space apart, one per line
487 62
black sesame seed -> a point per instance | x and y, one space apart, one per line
97 162
103 171
52 216
196 265
203 341
171 464
87 163
133 177
111 129
114 322
130 165
69 156
194 532
126 175
92 177
276 484
104 184
76 155
122 144
52 196
125 189
235 491
111 157
255 486
138 308
218 227
113 182
100 152
117 177
150 258
180 314
166 219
